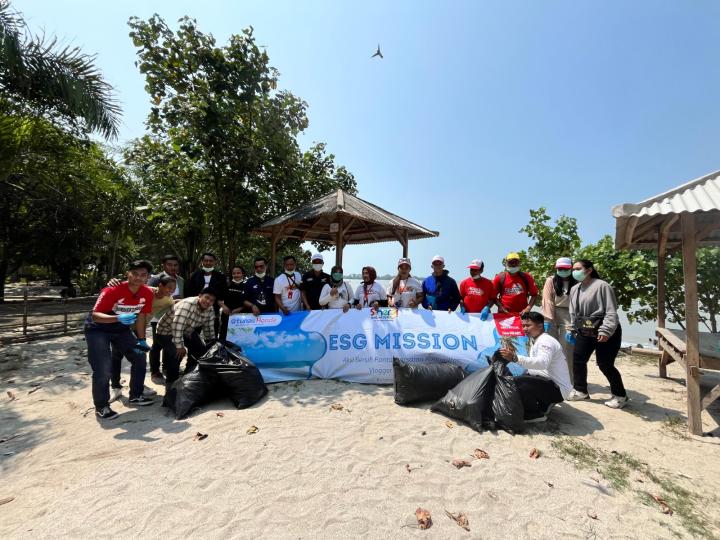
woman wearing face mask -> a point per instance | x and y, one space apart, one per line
234 297
556 306
337 294
593 315
405 291
370 294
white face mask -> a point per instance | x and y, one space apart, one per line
237 280
260 275
317 267
207 269
290 272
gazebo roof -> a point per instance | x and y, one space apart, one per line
362 222
638 225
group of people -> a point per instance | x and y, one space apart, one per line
578 317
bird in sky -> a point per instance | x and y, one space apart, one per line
377 53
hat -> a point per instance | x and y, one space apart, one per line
404 260
476 264
317 257
563 262
512 256
438 258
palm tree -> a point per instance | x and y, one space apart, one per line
38 75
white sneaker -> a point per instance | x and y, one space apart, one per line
576 395
617 402
147 391
115 394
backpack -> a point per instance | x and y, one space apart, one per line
523 277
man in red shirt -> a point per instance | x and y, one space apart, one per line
516 289
477 294
117 310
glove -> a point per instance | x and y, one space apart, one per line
141 346
547 326
570 338
484 313
127 318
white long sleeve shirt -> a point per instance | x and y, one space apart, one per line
548 360
345 296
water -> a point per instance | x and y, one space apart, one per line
633 334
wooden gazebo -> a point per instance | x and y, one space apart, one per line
681 219
341 218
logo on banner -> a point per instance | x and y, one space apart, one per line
508 325
249 320
384 314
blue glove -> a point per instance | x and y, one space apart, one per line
127 318
570 338
141 346
484 313
547 326
462 309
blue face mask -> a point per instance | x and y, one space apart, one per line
337 276
579 275
564 273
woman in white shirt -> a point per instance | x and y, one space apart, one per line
337 294
405 291
548 378
370 294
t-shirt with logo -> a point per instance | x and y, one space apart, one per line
288 287
120 299
312 284
366 294
407 290
514 296
476 294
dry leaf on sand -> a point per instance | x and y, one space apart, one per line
460 463
11 395
252 429
220 414
481 454
534 453
591 514
449 424
34 390
6 500
200 436
459 518
336 407
663 505
423 518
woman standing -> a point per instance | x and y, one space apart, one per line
370 294
338 293
556 306
234 298
593 314
405 291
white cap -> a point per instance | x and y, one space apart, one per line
438 258
404 260
317 257
476 264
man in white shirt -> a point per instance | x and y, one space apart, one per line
405 291
287 287
548 378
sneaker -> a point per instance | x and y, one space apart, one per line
617 402
106 413
157 378
141 401
149 392
576 395
536 420
115 394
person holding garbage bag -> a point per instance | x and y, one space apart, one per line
548 378
593 314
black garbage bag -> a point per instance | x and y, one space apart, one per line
238 377
507 405
192 390
424 382
471 400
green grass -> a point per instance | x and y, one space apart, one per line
676 426
618 467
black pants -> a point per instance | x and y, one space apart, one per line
537 394
195 347
117 357
605 355
154 351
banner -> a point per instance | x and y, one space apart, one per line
359 345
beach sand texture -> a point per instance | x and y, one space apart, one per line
359 469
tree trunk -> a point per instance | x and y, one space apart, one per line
3 275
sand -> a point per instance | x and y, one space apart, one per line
313 471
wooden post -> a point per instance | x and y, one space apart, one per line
661 252
406 241
339 242
273 251
25 310
692 339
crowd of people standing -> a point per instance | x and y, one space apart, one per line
578 318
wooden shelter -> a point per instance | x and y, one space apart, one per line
681 219
341 218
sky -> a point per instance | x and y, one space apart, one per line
479 110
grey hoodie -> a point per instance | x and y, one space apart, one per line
597 299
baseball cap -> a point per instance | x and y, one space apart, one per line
476 264
512 256
404 260
564 262
317 257
438 258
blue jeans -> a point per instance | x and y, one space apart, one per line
100 359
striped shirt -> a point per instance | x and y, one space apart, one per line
183 318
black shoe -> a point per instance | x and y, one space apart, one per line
106 413
141 401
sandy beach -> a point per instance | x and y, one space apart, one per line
337 460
